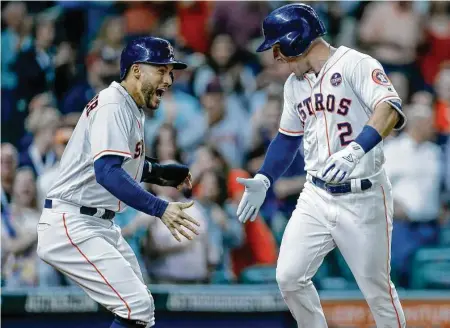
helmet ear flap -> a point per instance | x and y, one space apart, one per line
296 45
292 45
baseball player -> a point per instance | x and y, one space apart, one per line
341 103
100 172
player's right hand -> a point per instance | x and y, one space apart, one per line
253 198
175 219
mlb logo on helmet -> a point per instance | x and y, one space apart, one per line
336 79
379 77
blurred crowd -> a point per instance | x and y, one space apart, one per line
218 118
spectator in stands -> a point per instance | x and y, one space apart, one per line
42 100
224 231
393 31
206 158
241 20
259 246
9 162
414 166
282 197
111 37
15 39
224 126
422 98
35 67
183 112
401 84
46 179
165 255
437 40
65 69
269 80
141 18
20 267
442 105
227 62
102 70
42 123
70 120
264 126
192 21
165 145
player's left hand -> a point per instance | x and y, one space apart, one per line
177 220
253 197
340 165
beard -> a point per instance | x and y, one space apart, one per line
149 93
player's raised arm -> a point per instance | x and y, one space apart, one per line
373 87
279 156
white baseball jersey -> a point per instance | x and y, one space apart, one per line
331 109
111 124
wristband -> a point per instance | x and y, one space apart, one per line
368 138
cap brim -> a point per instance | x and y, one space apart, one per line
266 45
179 65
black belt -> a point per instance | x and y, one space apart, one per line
108 215
340 188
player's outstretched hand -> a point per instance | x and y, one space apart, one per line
253 198
340 165
177 220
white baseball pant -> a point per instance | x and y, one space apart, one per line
360 225
92 252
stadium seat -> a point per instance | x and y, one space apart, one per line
278 225
344 269
221 277
258 274
430 268
324 270
337 283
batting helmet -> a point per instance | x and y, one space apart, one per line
148 50
294 27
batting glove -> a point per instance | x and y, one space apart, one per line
340 165
171 175
253 198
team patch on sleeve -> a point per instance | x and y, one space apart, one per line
379 77
336 79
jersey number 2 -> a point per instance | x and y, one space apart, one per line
347 131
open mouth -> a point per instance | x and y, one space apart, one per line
160 92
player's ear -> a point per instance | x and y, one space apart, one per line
136 71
